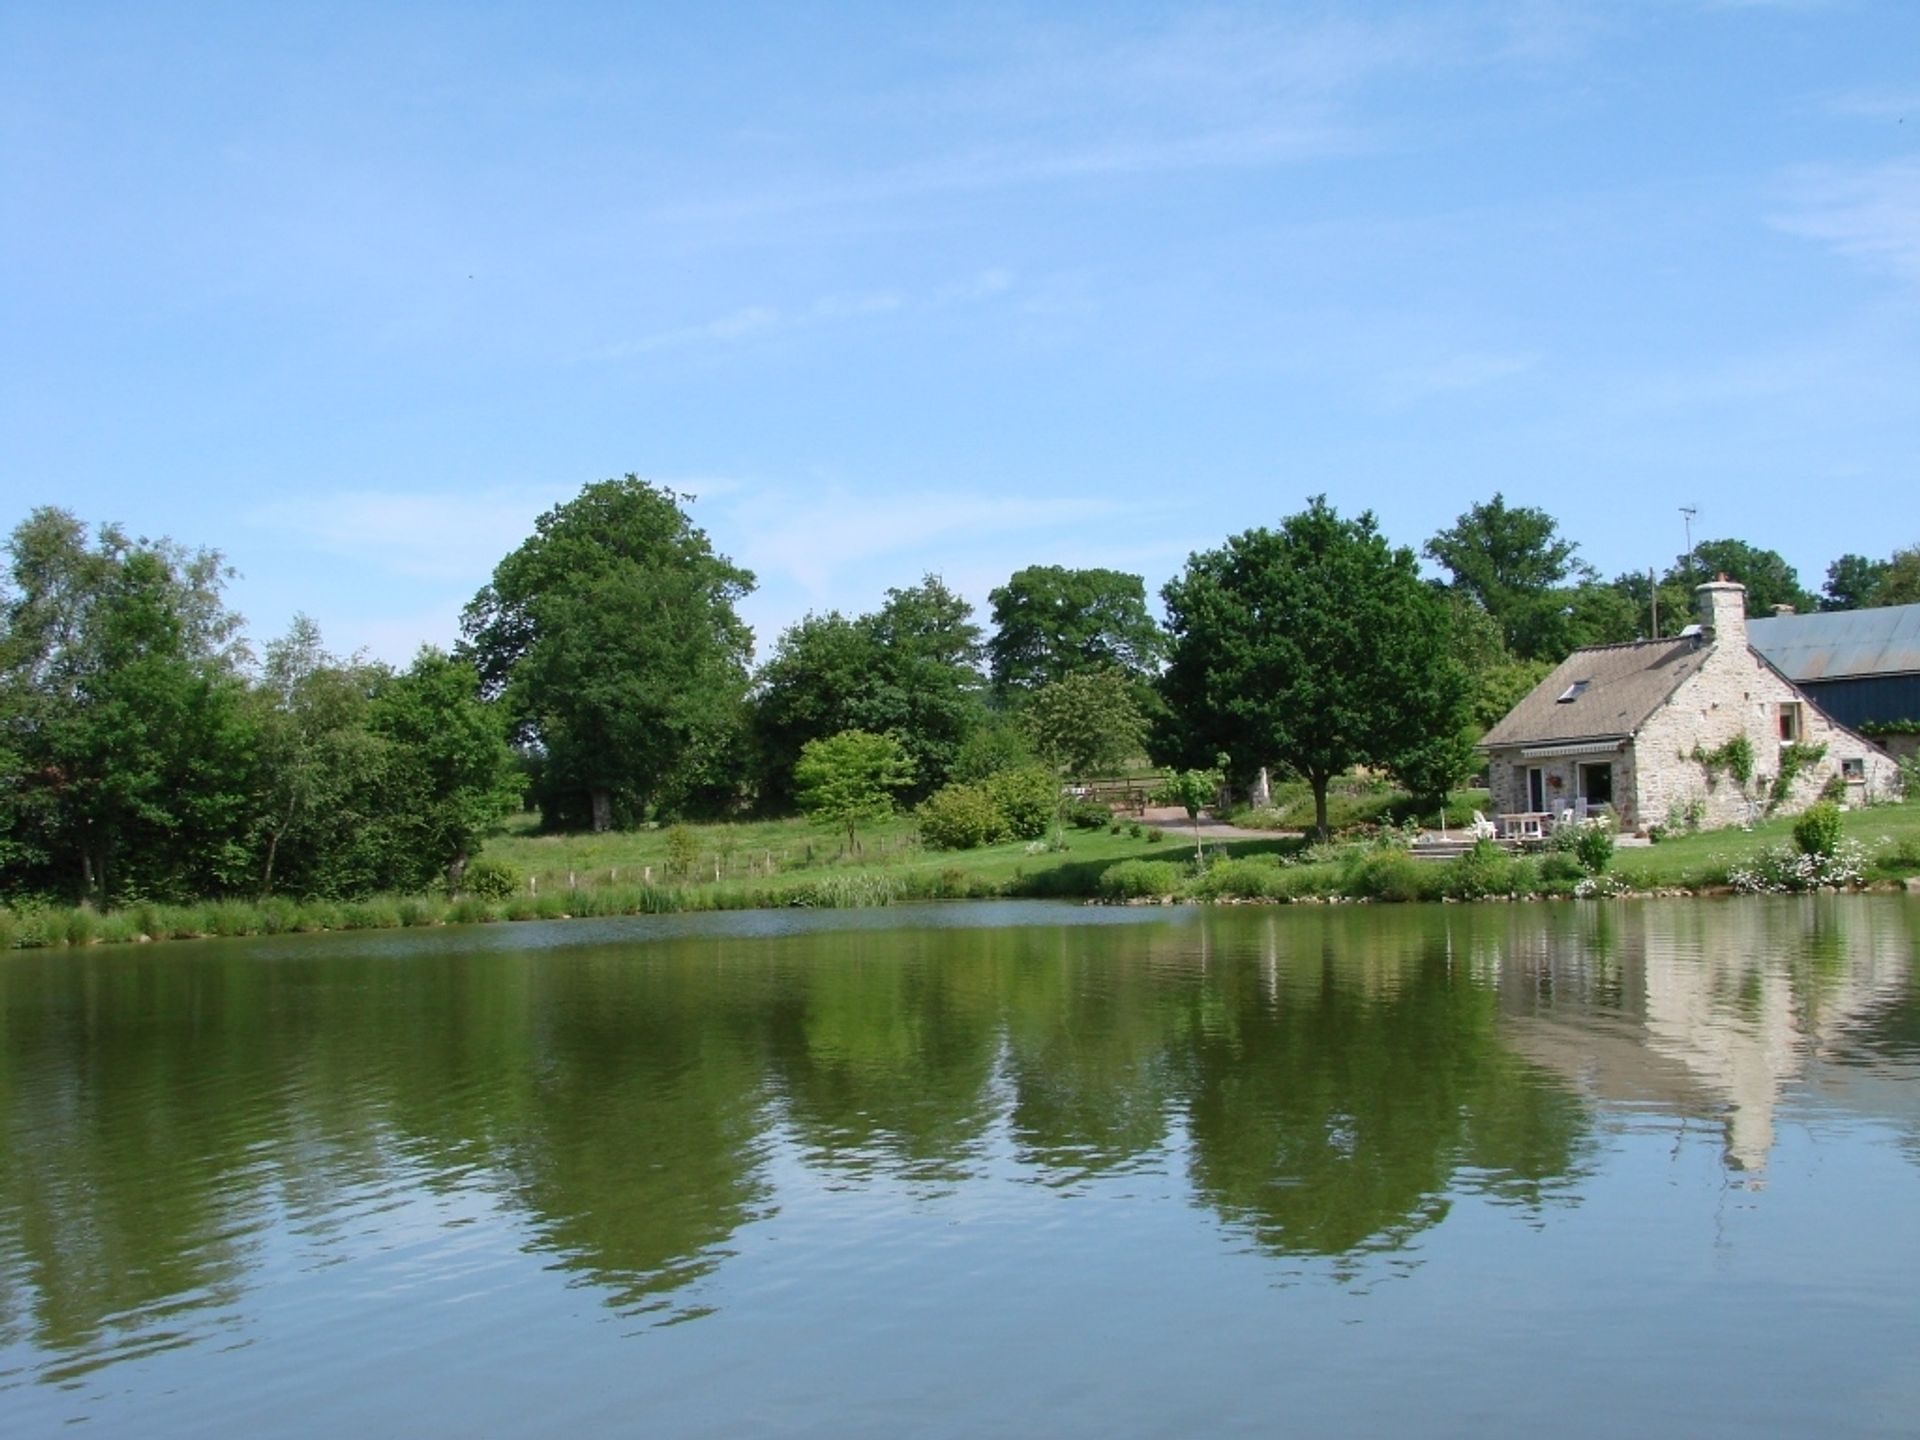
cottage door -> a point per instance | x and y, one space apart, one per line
1537 790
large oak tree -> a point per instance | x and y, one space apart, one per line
1316 646
1051 622
611 636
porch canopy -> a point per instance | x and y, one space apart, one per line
1572 749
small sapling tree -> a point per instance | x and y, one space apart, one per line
849 778
1193 791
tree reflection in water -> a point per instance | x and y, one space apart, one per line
1327 1082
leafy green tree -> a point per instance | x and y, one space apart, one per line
1852 581
1051 622
1315 645
320 793
1087 722
451 776
998 743
611 637
849 779
814 684
1620 610
1900 585
910 669
121 702
1512 560
930 687
1769 579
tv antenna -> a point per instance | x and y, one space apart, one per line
1688 512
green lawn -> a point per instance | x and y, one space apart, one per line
1890 834
748 851
787 863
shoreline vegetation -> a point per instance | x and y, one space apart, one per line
787 864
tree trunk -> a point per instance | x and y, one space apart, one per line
1319 783
602 810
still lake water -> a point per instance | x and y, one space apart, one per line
1011 1169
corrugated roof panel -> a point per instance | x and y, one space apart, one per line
1882 641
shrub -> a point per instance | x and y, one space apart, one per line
35 925
1136 829
1593 846
1139 880
1385 875
79 925
1253 878
959 817
683 848
1481 873
490 880
378 913
1784 869
1089 815
1025 798
1156 836
1558 867
1817 831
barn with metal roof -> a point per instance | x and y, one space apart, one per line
1860 666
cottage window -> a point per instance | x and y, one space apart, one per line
1854 771
1790 722
1574 692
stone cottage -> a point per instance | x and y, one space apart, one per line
1648 731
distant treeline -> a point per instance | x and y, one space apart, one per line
603 673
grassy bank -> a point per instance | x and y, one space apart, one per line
769 865
786 864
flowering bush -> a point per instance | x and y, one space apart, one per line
1599 886
1785 869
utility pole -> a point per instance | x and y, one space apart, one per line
1653 594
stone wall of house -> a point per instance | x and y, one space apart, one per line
1735 692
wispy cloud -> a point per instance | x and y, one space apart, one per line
1038 103
1871 215
435 536
756 321
734 325
1458 373
816 542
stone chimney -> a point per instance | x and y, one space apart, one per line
1782 610
1722 604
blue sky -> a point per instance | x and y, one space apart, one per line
352 293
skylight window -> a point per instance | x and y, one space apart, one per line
1574 692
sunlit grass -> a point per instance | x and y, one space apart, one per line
779 864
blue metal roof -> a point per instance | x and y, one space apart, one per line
1835 643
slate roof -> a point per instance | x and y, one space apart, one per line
1625 685
1841 643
